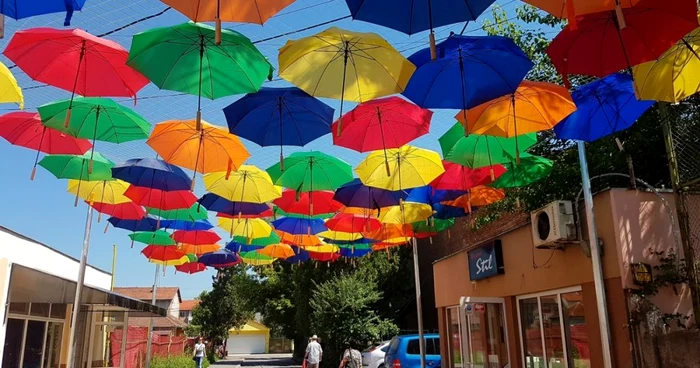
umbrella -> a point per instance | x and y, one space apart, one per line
213 202
354 252
406 213
164 200
191 267
256 11
532 108
530 170
297 225
220 258
254 258
267 213
461 178
356 194
158 237
102 191
196 237
301 240
96 119
477 197
333 236
300 255
605 106
198 249
344 65
204 150
186 225
468 72
383 123
477 151
295 203
168 57
247 184
76 167
419 16
273 238
426 229
445 212
352 223
248 228
9 89
329 256
194 213
26 130
238 247
75 61
675 75
165 255
599 46
279 117
277 251
143 224
570 9
410 167
30 8
152 173
124 211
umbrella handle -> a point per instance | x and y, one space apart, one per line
198 120
433 48
386 165
106 228
33 173
217 36
493 174
66 122
620 16
449 235
281 162
431 239
91 164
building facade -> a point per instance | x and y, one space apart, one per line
167 298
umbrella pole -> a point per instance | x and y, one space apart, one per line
279 105
36 159
620 15
79 289
69 112
433 56
217 36
381 130
150 322
240 210
488 153
571 14
515 131
342 92
419 302
199 94
94 137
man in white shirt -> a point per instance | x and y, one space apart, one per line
314 353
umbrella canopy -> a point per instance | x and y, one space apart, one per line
246 11
198 249
530 170
279 117
571 8
324 256
675 75
425 229
254 258
301 240
273 238
277 251
220 258
196 237
164 200
248 228
213 202
599 46
445 212
194 213
152 173
477 197
297 225
26 9
25 129
605 106
309 171
344 65
191 267
186 225
460 177
354 252
468 72
352 223
292 202
209 149
124 211
300 255
391 231
238 247
9 89
410 167
103 191
168 57
76 167
333 236
165 255
247 184
406 213
356 194
75 61
143 224
158 237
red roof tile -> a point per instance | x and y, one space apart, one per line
146 293
188 305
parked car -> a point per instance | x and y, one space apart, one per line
404 352
373 356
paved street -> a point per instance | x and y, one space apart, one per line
259 360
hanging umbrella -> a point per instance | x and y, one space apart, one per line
331 236
267 213
273 238
31 8
352 223
191 267
356 194
292 202
278 212
391 231
478 197
76 167
247 184
185 58
248 228
277 251
102 191
417 16
152 173
279 117
426 229
599 46
165 255
196 237
204 150
605 106
383 123
406 213
194 213
344 65
9 89
213 202
96 119
220 258
296 225
445 212
530 170
158 237
300 255
675 75
198 249
186 225
324 256
532 108
239 247
164 200
477 151
410 167
468 72
354 252
254 258
142 224
300 240
26 130
570 9
75 61
124 211
461 178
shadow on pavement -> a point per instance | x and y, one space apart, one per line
262 360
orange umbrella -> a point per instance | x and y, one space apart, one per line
300 240
198 249
210 149
570 9
390 231
277 251
245 11
478 196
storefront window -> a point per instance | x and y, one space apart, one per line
552 331
577 335
34 343
484 336
13 342
455 337
497 344
532 333
52 352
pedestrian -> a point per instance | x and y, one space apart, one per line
199 353
351 358
314 353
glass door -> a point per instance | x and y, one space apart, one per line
484 333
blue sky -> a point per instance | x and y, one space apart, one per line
43 210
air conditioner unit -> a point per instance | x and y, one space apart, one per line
553 225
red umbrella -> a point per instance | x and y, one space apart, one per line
196 237
191 267
348 223
163 254
160 199
459 177
122 211
26 130
599 47
382 123
298 203
266 213
75 61
323 257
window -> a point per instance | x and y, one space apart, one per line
413 347
454 333
432 346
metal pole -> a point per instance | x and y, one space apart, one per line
149 341
79 289
598 280
114 264
419 306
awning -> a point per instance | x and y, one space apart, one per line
31 286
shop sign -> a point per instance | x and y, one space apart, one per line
486 261
479 308
641 273
471 308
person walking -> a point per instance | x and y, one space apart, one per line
351 358
314 353
199 353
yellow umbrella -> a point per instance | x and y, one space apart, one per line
9 89
345 65
102 191
247 184
410 167
325 248
339 235
277 251
406 213
254 258
674 76
248 228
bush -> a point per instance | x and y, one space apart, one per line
179 361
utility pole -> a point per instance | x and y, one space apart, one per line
114 264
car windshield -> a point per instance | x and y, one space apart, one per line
371 347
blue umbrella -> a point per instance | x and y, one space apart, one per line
144 224
605 106
354 253
237 247
19 9
361 241
186 225
299 226
356 194
220 258
468 72
445 212
152 173
215 203
279 117
301 256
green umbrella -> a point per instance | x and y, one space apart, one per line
531 169
476 151
254 258
192 214
432 225
76 167
260 242
186 58
158 237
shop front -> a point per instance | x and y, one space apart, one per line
505 303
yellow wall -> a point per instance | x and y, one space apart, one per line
253 328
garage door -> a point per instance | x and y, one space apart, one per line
246 344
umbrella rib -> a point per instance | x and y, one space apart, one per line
318 82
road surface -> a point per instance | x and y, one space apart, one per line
259 361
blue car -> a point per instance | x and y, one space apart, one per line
404 352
